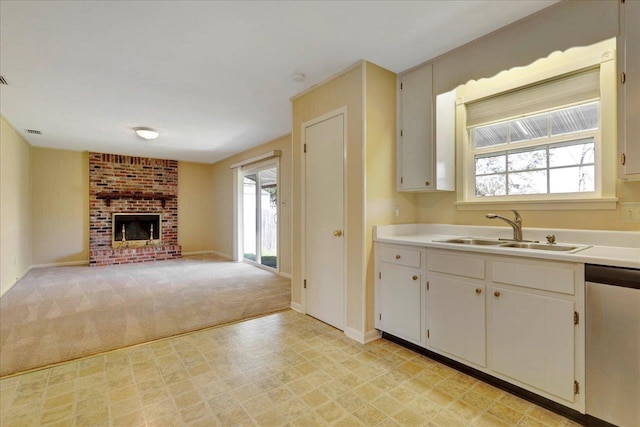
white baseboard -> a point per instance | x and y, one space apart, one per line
223 255
197 253
361 337
297 307
354 334
285 275
372 335
59 264
51 264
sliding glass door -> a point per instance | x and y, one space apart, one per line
260 215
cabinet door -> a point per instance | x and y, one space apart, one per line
456 318
629 90
415 168
400 311
532 340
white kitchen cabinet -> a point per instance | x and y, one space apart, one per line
532 340
534 323
517 319
426 134
456 318
400 292
629 91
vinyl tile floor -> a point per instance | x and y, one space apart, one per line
277 370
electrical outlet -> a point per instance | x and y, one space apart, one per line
630 212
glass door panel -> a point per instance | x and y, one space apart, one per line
260 216
249 217
269 217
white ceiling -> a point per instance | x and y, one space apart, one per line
213 77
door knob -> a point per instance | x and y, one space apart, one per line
337 233
415 277
478 290
496 293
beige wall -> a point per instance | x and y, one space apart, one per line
60 206
557 28
15 206
195 207
222 176
381 195
344 90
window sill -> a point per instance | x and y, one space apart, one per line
540 205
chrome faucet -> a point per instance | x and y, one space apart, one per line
516 224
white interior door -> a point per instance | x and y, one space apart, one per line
324 220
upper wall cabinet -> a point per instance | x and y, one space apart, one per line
629 91
426 140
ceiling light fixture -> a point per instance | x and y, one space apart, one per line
146 133
298 77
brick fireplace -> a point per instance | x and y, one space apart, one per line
133 189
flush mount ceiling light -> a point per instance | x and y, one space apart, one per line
146 133
298 77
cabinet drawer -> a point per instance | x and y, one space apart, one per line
460 265
400 256
535 276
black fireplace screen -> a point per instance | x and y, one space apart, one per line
129 227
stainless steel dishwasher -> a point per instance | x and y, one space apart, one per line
613 345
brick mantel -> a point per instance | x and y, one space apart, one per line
127 184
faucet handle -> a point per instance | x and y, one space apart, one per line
517 214
551 239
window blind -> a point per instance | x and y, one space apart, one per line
566 90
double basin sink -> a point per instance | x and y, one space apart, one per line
512 244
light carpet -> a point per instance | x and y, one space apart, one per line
63 313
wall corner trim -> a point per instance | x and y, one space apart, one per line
297 307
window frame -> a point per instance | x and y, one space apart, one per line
548 142
557 64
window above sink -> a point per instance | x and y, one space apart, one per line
540 135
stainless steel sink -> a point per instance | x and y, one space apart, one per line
540 247
513 245
472 241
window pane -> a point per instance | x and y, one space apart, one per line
487 136
572 180
529 128
576 154
491 164
527 160
534 182
491 185
575 119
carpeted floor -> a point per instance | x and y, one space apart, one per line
62 313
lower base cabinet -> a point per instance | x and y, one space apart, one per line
515 318
401 296
456 318
532 340
400 292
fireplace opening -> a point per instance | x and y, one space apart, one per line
136 229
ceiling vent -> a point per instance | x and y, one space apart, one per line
33 131
3 81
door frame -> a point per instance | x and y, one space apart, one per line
242 171
334 113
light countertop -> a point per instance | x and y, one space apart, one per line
611 248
